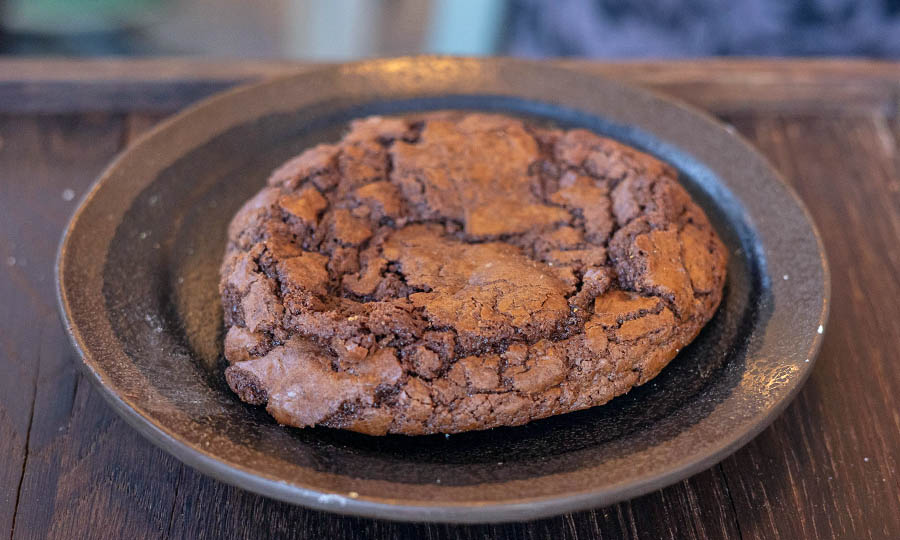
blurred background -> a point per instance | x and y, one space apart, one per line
347 29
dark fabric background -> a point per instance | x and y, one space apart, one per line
682 28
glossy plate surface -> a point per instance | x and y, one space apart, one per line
138 271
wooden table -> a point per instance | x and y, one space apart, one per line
829 467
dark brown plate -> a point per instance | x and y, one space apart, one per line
138 269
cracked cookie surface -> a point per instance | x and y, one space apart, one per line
449 272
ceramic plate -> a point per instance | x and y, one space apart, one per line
138 272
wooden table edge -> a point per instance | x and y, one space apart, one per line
722 86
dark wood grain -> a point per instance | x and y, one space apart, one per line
36 198
719 86
839 444
828 468
78 452
693 509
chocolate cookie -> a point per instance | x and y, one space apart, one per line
452 272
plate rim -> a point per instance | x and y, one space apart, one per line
399 509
